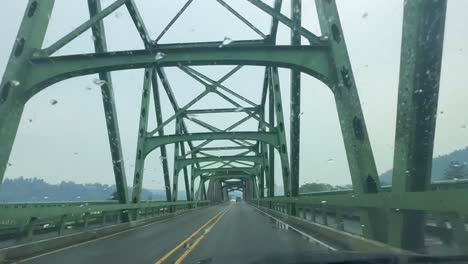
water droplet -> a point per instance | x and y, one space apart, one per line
363 225
78 197
162 158
455 179
45 197
226 41
53 102
463 126
441 112
159 56
364 15
330 160
398 209
323 202
81 205
428 72
99 82
324 38
299 115
30 120
117 14
15 82
46 226
88 88
93 37
69 227
239 109
418 91
75 153
353 196
9 164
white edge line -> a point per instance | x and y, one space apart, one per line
93 240
299 231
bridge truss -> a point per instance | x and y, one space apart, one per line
33 67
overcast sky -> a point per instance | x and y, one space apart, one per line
68 141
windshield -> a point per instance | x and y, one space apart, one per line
226 131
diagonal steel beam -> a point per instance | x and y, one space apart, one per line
152 143
225 130
311 37
82 28
110 111
173 20
139 23
243 19
215 129
215 84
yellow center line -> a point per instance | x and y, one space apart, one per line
170 253
192 247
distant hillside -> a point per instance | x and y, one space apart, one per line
37 190
450 166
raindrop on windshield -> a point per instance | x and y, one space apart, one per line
159 56
88 88
45 197
117 14
364 15
15 82
46 225
330 160
418 91
30 120
239 109
323 202
53 102
463 126
226 41
162 158
99 82
299 115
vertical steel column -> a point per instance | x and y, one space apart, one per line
188 193
12 100
295 101
159 121
271 148
142 130
282 149
353 127
420 66
175 176
108 100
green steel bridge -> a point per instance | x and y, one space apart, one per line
368 218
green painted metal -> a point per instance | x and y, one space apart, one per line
140 151
157 107
32 69
155 142
420 66
361 162
108 101
295 127
280 128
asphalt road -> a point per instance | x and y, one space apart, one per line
237 233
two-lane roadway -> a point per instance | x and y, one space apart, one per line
228 233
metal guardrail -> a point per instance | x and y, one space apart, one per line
435 185
445 206
22 220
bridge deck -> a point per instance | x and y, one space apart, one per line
242 233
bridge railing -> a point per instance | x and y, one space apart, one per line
19 222
444 205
